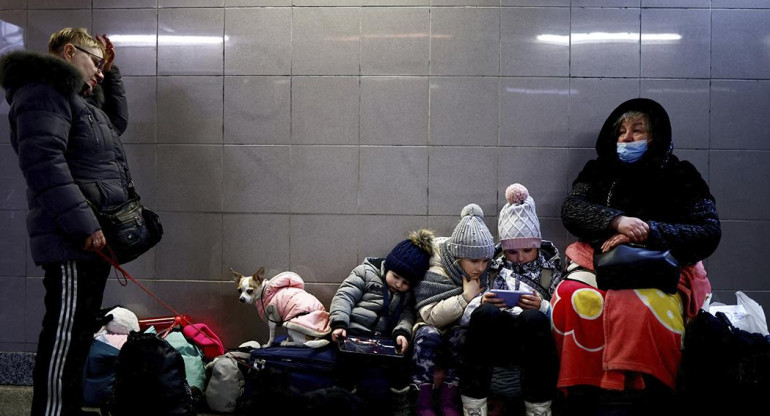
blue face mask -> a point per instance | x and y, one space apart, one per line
632 151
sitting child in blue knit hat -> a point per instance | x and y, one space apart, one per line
376 300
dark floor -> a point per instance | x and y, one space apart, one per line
17 401
16 384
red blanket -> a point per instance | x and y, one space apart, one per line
608 339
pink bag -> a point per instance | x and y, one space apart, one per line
205 338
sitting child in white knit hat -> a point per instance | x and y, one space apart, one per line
528 264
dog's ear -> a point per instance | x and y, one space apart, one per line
236 275
260 274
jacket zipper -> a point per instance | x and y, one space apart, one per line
96 133
609 194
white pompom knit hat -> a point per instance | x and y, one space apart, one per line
518 225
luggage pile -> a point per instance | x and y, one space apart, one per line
132 368
157 366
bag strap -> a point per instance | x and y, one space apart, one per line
239 361
584 276
725 320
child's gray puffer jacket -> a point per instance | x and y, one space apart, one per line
358 304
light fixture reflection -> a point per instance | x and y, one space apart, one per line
530 91
11 37
356 38
174 40
607 37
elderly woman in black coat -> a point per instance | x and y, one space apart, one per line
638 191
622 348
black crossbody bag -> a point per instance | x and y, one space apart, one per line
635 267
130 229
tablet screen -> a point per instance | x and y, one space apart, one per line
376 346
511 297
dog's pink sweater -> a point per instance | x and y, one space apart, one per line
286 292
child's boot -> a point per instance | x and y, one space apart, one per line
537 409
474 407
424 404
399 401
450 394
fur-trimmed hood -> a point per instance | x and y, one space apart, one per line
661 146
20 68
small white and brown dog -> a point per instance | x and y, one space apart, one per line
282 300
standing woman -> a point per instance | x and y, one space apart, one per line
624 346
65 132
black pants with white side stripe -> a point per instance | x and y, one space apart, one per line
73 297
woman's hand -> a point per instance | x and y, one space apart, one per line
109 52
635 229
402 343
339 334
532 301
614 241
95 241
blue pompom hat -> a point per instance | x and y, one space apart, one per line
410 258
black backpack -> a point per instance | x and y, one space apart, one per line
725 370
150 379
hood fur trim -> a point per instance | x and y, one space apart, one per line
661 146
20 68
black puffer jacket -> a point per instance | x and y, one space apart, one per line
68 148
669 194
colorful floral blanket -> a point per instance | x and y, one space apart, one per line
609 339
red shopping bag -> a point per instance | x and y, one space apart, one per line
202 336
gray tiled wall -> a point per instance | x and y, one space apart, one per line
306 135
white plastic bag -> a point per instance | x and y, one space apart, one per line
747 314
755 320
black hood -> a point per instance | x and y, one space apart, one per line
660 148
20 68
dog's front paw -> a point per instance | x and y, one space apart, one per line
317 343
287 343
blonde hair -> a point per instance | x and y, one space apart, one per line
633 115
76 36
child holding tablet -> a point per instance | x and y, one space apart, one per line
530 265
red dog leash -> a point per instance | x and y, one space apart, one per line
178 317
126 276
